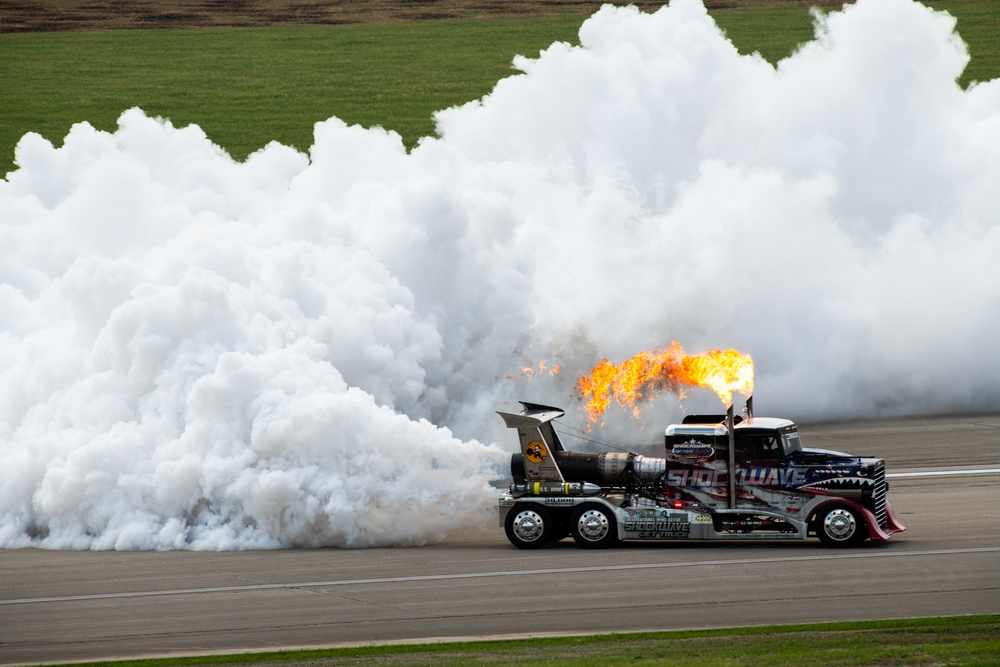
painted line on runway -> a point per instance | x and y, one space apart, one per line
501 573
943 473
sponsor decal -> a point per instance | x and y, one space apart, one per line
702 518
697 477
661 514
657 529
782 477
757 480
692 451
536 452
787 478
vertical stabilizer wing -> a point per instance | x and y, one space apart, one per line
538 440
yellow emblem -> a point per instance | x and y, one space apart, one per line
536 451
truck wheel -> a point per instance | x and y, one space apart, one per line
594 527
528 526
839 526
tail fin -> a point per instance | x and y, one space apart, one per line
538 440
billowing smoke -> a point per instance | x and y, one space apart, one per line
307 350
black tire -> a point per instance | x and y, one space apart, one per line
840 526
560 528
528 526
594 527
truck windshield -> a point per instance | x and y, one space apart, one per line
790 442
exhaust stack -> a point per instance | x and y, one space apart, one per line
730 424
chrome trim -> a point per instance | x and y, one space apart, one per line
878 495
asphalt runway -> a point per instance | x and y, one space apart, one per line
945 487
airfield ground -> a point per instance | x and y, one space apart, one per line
66 15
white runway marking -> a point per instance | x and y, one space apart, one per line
943 473
501 573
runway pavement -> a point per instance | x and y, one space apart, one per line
945 487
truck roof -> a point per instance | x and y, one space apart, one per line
765 422
719 429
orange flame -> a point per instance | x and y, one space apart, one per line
530 372
664 370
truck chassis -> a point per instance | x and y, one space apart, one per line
723 477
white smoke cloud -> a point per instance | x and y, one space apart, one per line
308 350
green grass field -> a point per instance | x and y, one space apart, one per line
248 86
965 640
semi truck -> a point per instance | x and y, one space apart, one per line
722 477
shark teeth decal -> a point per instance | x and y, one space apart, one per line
842 484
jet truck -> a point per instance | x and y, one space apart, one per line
723 477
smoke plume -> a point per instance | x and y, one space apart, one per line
307 350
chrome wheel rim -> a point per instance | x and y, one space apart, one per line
528 526
593 525
839 524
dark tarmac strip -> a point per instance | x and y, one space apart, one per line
73 606
507 573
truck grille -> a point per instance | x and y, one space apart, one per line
878 495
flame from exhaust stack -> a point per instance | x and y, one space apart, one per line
670 369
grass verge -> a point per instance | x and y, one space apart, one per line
774 32
962 640
248 86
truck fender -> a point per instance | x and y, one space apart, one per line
875 532
892 524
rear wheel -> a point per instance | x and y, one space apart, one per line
528 526
594 527
839 526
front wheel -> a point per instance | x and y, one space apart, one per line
839 526
594 527
528 526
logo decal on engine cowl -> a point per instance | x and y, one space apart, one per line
536 451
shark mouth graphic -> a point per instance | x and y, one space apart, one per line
842 485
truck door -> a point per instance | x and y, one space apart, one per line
762 450
762 471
